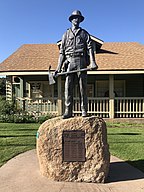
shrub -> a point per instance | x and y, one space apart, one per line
6 118
6 107
7 110
43 118
9 114
24 118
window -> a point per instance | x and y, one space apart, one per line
90 90
102 88
41 89
48 90
119 87
36 89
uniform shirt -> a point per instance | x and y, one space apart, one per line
75 42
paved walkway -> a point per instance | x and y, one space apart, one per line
21 174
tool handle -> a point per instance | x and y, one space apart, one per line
75 71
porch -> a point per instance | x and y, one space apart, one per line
119 107
109 95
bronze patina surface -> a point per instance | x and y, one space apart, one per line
73 146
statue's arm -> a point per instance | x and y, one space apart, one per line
93 64
60 62
61 56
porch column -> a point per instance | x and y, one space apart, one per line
111 96
22 102
59 85
9 94
21 87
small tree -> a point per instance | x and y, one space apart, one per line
3 86
7 110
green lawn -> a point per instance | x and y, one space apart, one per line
126 141
15 139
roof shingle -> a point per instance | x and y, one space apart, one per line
112 56
121 56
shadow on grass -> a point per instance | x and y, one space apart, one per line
18 130
18 145
124 133
122 171
127 142
10 136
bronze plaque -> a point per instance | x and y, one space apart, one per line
73 146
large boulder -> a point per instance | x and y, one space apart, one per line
93 165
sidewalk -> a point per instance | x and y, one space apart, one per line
21 174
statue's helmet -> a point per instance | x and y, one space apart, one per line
76 13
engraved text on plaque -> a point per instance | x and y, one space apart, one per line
73 146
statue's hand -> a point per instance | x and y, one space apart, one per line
56 73
93 66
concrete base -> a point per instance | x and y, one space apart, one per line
21 174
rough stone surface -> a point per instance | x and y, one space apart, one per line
49 150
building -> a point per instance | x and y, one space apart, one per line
115 90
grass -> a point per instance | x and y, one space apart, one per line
16 139
126 141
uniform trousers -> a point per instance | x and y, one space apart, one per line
76 63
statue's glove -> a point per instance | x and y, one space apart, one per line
93 66
56 73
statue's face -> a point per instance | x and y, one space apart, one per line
76 21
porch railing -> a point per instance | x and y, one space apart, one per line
124 107
96 106
129 107
38 106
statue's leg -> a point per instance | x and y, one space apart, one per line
69 84
83 92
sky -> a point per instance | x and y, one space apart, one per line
45 21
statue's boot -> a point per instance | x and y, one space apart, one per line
84 113
67 114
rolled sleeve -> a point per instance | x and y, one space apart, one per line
62 46
89 41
